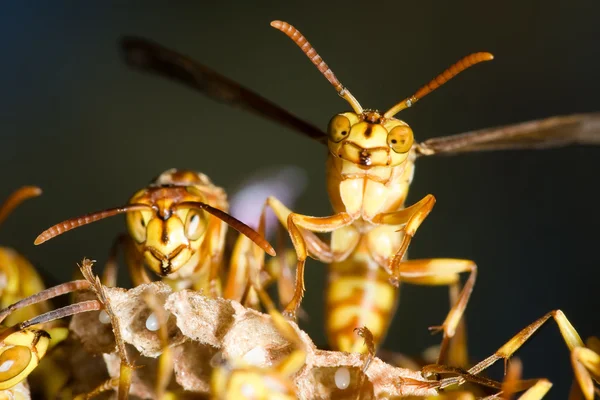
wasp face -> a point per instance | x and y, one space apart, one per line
167 236
369 140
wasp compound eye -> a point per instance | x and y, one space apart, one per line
400 139
339 128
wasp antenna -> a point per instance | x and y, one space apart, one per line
439 80
44 295
16 198
233 222
316 59
73 223
67 311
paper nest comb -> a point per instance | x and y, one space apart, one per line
201 329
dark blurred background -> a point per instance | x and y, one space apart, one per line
76 121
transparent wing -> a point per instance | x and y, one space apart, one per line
538 134
151 57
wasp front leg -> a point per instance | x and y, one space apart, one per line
135 263
215 243
411 218
296 223
111 268
442 271
165 359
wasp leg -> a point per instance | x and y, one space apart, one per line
317 248
216 243
511 379
586 364
165 360
281 270
570 336
296 359
366 334
411 217
456 396
135 264
110 272
461 377
442 271
247 260
536 389
296 222
239 265
369 342
458 354
110 384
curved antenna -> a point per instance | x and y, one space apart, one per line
439 80
76 222
316 59
16 198
233 222
44 295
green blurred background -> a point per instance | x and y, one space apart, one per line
90 132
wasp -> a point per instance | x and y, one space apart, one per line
370 165
19 278
24 344
177 228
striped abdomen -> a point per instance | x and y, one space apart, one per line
358 294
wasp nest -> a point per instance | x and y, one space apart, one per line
203 332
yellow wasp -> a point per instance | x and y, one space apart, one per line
21 351
369 168
24 344
176 228
18 278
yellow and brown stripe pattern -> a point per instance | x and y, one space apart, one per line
358 294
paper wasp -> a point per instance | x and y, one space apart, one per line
369 169
19 278
24 344
176 227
